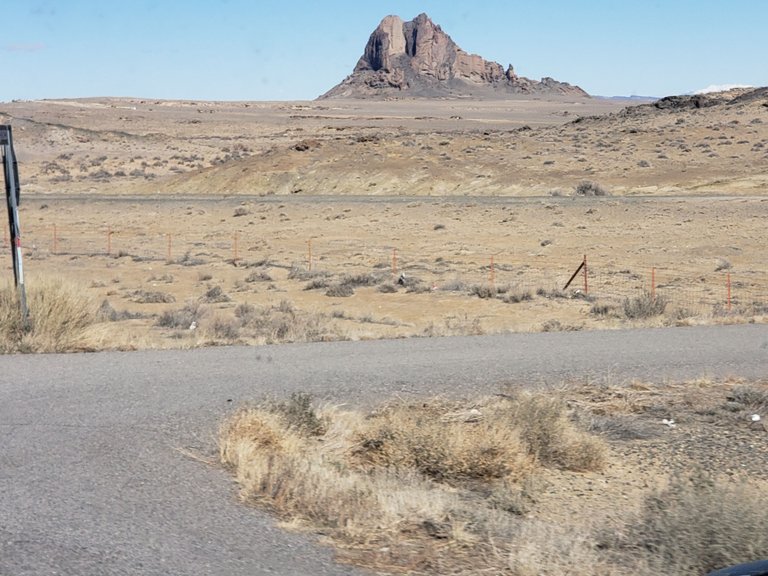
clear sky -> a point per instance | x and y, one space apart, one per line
297 49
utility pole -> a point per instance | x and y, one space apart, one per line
12 195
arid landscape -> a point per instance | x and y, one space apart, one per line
174 213
430 193
167 224
184 224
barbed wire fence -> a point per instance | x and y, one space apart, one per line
686 288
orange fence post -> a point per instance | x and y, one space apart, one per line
168 249
728 283
234 247
109 240
586 283
309 255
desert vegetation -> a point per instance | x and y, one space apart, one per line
59 320
519 483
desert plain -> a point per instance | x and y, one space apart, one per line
369 219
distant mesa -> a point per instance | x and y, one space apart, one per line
417 59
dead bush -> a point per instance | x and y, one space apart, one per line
59 315
340 291
430 487
152 297
643 306
700 522
183 317
589 188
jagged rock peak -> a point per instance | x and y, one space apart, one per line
418 59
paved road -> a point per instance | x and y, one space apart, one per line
92 481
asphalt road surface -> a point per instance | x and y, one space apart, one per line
95 472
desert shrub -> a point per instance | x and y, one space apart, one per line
517 296
189 260
601 309
300 415
59 315
448 442
214 295
429 487
107 313
483 290
553 293
441 441
454 285
554 325
355 280
749 396
298 272
455 325
387 288
317 284
283 323
589 188
152 297
258 276
225 329
646 305
551 437
700 522
340 291
182 317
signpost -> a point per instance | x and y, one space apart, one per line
12 195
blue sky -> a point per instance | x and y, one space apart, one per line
296 50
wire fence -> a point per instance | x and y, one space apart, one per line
686 287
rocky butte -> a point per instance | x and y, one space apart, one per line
417 59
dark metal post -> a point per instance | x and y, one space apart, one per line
12 195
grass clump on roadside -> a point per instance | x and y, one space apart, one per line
433 486
700 522
59 315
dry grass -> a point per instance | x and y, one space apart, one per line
445 487
433 487
59 316
698 523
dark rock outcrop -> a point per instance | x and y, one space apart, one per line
417 59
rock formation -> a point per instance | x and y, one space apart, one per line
417 59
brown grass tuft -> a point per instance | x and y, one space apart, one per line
433 487
59 315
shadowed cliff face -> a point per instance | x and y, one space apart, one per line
418 59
